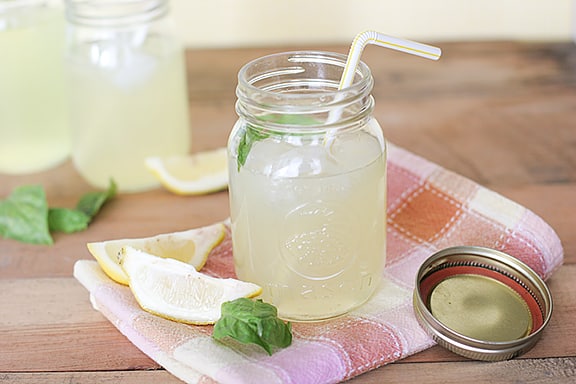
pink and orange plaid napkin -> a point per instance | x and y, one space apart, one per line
429 208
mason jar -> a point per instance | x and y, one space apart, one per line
128 90
307 166
34 133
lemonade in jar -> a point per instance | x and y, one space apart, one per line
307 165
34 132
128 90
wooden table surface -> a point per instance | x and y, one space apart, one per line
502 114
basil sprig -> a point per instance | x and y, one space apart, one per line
26 217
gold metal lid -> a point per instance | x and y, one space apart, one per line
481 303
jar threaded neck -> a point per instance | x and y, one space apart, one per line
283 90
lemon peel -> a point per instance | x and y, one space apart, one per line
175 290
192 247
195 174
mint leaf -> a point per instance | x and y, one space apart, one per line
253 322
91 202
67 220
23 216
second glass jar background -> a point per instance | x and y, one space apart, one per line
128 97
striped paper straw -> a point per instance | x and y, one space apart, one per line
377 38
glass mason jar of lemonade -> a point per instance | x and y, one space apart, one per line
307 167
128 95
34 132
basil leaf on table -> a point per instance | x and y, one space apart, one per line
26 217
253 322
75 220
23 215
91 202
67 220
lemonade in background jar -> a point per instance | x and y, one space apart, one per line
34 132
307 167
128 95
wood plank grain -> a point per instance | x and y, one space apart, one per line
550 371
51 326
100 377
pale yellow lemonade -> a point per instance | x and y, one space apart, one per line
120 116
315 242
34 132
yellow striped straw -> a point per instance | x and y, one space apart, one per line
377 38
356 49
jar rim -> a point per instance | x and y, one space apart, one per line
361 85
298 91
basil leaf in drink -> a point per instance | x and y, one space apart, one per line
253 322
67 220
23 216
253 134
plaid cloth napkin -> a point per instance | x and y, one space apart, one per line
429 208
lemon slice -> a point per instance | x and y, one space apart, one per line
176 291
195 174
191 247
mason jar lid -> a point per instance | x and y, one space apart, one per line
481 303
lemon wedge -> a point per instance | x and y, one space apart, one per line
175 290
192 247
194 174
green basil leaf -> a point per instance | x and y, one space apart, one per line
253 322
67 220
253 134
23 216
91 202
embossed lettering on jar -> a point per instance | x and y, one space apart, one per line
307 185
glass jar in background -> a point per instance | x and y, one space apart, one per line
34 132
128 90
307 167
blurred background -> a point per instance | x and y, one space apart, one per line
246 23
